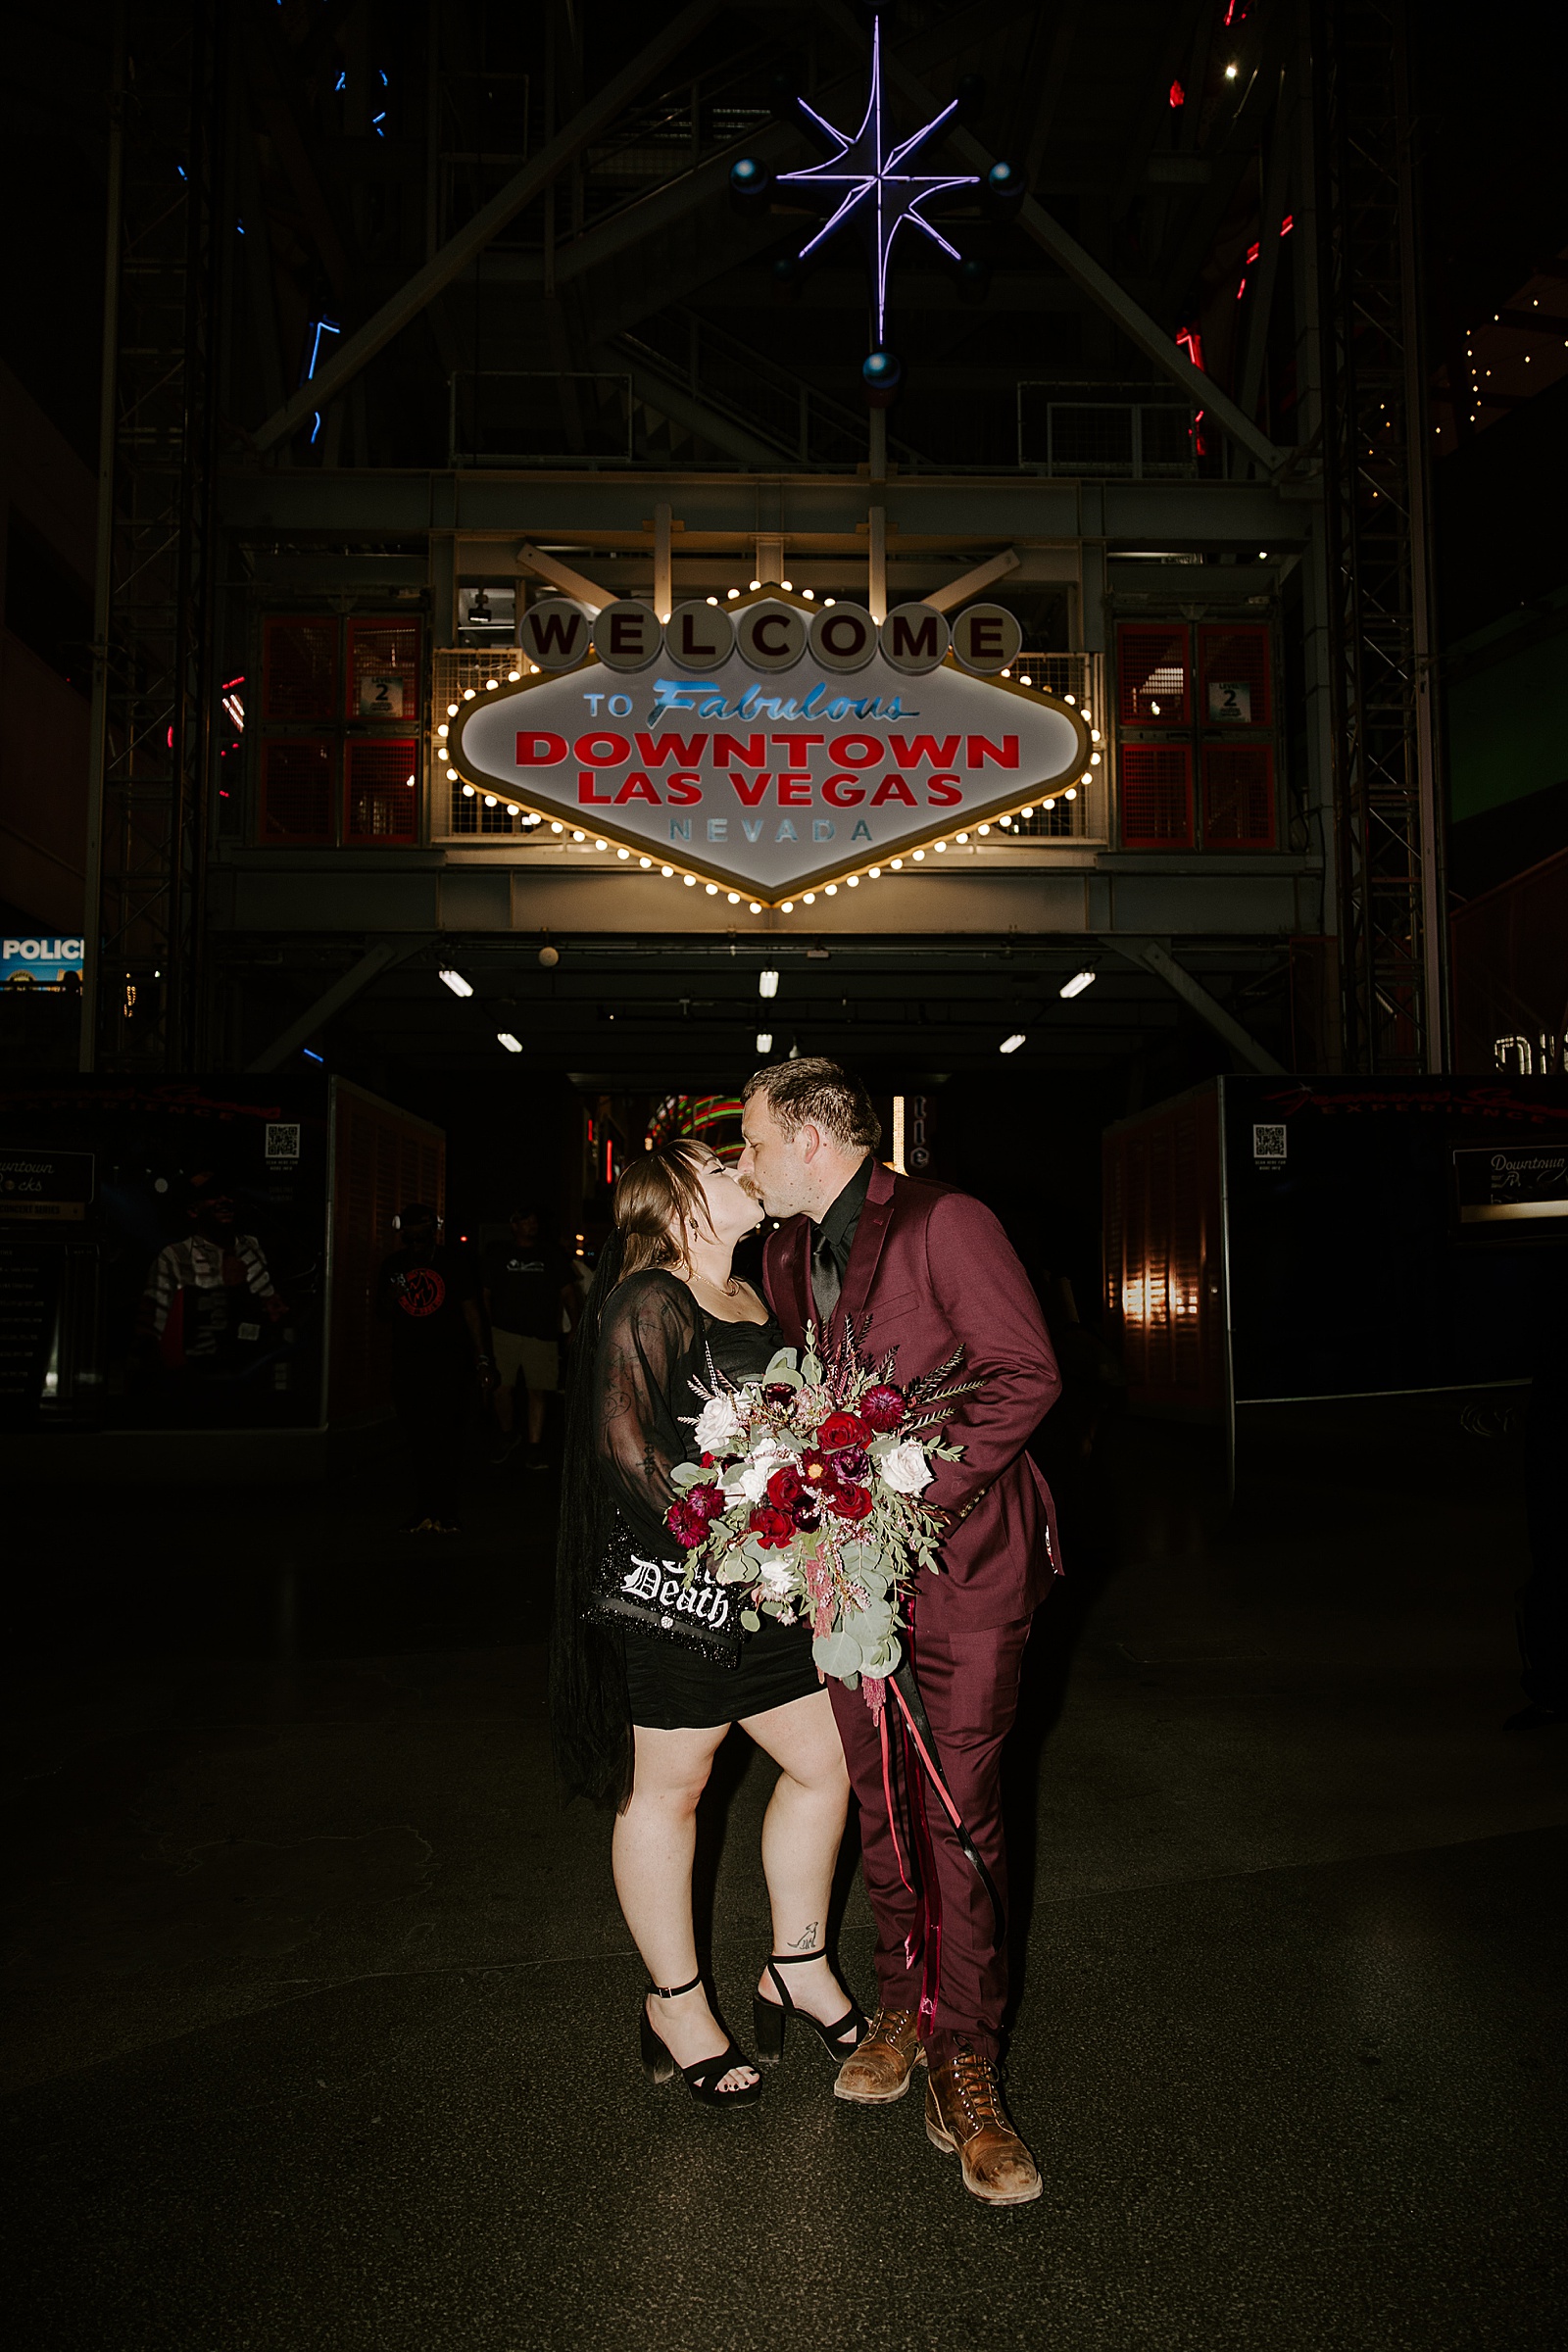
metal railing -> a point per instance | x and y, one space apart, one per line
1123 440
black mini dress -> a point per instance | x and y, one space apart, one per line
653 1340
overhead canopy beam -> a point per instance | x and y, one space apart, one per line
560 575
1152 340
1153 958
376 961
458 250
971 583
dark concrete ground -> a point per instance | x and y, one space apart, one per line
321 2029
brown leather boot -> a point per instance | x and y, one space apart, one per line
965 2116
879 2069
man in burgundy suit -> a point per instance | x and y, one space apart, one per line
930 1269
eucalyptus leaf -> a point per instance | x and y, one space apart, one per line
836 1654
688 1474
751 1620
883 1659
782 1368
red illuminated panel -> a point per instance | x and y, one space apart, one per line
296 790
381 804
1237 796
299 672
1151 664
1156 796
384 670
1235 668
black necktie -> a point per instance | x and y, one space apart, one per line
825 1284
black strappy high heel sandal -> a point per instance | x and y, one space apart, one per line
767 2017
703 2079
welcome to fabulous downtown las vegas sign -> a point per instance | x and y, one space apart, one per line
770 746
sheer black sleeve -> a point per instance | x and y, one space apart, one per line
649 1338
632 1358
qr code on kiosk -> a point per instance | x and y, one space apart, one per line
1268 1142
283 1139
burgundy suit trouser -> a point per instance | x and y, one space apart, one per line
969 1681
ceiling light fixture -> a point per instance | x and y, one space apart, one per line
767 983
1011 1044
457 983
504 1036
764 1041
1077 984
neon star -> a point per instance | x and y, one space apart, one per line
881 195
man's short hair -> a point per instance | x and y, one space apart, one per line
823 1093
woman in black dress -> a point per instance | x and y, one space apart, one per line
639 1715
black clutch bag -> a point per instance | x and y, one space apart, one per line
639 1591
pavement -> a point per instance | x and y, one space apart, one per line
320 2015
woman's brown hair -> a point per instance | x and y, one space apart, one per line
658 1203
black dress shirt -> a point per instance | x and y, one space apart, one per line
834 1238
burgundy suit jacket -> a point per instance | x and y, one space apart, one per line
930 1269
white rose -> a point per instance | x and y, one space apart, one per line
717 1424
749 1478
904 1468
776 1579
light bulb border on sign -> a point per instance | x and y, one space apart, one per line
826 880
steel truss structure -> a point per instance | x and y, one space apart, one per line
1376 495
152 686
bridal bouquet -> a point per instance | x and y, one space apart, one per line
809 1494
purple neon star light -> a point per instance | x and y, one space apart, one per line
881 195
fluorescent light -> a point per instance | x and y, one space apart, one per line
504 1036
457 983
767 984
764 1041
1077 984
1011 1044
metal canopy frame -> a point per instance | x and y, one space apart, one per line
153 687
1382 665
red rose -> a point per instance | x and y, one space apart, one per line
707 1461
882 1407
708 1502
843 1429
784 1487
850 1502
689 1527
806 1513
772 1528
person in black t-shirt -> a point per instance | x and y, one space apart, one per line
528 1289
428 1298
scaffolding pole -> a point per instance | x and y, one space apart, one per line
149 782
1376 490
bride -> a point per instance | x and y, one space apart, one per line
639 1708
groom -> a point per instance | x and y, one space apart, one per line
931 1270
